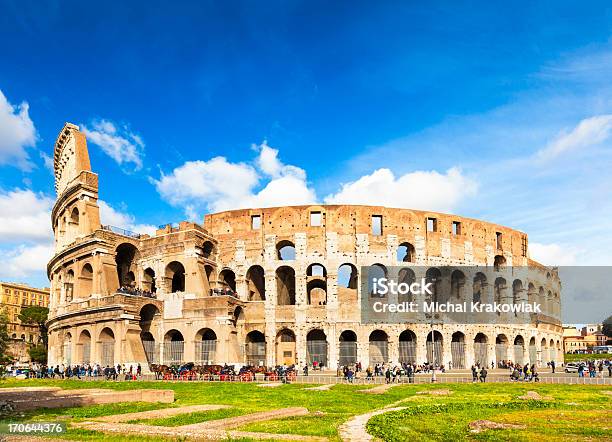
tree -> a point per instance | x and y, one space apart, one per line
34 314
4 336
38 353
607 327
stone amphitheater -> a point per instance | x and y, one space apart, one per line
279 285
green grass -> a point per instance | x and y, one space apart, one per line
584 358
427 417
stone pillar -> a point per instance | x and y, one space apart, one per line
332 347
393 348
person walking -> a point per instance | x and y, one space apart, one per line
483 375
474 374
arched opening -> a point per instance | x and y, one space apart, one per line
479 287
433 276
85 347
481 343
458 350
285 250
316 284
501 350
86 281
69 285
533 351
347 284
174 347
553 352
347 348
375 273
517 289
149 314
67 349
107 347
255 348
499 263
126 257
407 347
206 346
499 292
435 347
285 286
532 293
457 285
519 350
406 276
285 347
208 250
227 282
316 347
405 252
256 283
74 216
175 274
149 281
379 347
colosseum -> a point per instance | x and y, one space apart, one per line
279 285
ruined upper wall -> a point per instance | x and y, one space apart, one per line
348 222
70 157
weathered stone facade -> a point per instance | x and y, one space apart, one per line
274 285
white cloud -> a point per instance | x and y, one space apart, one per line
589 132
25 260
122 219
553 254
25 216
218 184
17 133
425 190
121 144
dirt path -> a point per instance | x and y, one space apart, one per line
354 430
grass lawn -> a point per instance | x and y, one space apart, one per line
583 358
575 412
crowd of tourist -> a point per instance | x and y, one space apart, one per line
135 291
79 371
593 368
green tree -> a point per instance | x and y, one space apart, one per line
4 336
38 353
34 314
607 327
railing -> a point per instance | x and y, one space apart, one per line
121 231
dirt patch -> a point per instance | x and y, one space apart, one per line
270 385
156 414
441 392
534 396
320 387
381 389
608 392
482 425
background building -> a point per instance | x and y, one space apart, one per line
267 286
13 297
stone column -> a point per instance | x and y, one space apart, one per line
332 347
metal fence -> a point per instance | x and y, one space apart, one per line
481 351
151 351
108 354
501 352
86 359
255 353
347 353
379 352
205 352
407 352
533 354
68 352
434 353
174 352
458 354
519 354
317 351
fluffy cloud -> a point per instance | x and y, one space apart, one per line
427 190
218 184
26 260
17 133
119 143
588 132
25 216
552 254
122 219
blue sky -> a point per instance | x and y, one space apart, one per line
491 111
